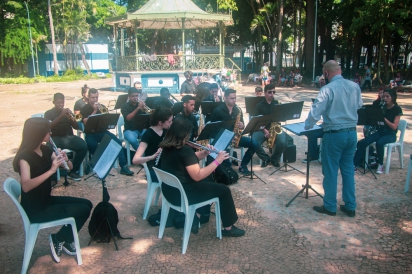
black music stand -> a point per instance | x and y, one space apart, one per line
371 116
211 130
150 101
102 162
299 129
282 113
121 99
177 108
100 122
251 102
255 124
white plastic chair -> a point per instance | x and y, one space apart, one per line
120 124
151 188
13 189
188 210
399 144
408 176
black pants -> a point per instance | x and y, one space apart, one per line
61 207
203 191
75 143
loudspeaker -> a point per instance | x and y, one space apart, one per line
289 155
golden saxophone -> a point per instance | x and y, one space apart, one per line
237 130
201 125
274 130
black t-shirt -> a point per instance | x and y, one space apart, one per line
175 162
126 109
390 114
193 120
64 127
221 113
36 200
152 139
79 104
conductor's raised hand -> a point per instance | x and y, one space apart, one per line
223 155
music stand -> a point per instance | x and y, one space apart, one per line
251 102
150 101
282 113
121 99
255 124
211 130
299 130
177 108
102 162
101 122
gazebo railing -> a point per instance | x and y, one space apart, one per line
169 62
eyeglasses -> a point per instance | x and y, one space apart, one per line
270 92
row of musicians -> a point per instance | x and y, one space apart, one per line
62 128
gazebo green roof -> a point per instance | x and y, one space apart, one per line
169 14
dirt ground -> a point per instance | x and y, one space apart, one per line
278 239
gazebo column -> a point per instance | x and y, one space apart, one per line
221 57
122 42
115 45
183 44
136 44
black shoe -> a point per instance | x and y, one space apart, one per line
195 225
56 247
233 232
74 176
275 163
350 213
244 170
264 163
323 210
126 171
70 249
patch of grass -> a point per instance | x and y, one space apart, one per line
67 77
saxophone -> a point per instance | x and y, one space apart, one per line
274 130
237 130
201 124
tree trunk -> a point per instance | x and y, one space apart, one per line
86 65
309 38
56 69
279 46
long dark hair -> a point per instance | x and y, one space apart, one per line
33 134
178 133
161 114
393 94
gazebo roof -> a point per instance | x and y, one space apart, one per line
168 14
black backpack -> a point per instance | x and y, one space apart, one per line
225 174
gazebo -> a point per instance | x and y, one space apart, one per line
166 15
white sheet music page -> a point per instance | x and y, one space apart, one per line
107 159
297 128
223 142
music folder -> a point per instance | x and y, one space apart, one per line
211 130
257 123
289 111
101 122
104 156
299 129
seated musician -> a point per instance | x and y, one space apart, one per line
187 112
213 96
180 160
160 121
129 111
36 163
62 125
142 95
265 107
93 139
164 100
385 134
79 104
229 111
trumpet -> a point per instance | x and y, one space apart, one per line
66 167
102 108
196 145
174 98
145 107
73 117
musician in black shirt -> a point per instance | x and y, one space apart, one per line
164 100
187 112
265 107
229 111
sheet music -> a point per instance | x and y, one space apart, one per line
107 159
298 128
223 142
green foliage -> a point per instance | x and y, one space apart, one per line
70 77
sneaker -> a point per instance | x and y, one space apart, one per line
233 232
306 160
70 249
56 247
74 176
244 170
126 171
380 169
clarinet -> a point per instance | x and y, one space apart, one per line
66 167
158 158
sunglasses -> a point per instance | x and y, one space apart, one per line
271 92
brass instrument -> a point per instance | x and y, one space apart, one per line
201 125
196 145
102 108
66 167
146 109
274 130
73 117
237 130
174 98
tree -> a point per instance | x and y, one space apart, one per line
55 66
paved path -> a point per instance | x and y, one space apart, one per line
278 239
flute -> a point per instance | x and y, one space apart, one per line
196 145
66 167
158 157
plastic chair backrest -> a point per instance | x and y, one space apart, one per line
13 189
171 180
402 128
38 115
120 123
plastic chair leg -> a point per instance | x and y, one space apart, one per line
129 162
218 222
31 236
408 176
158 191
388 159
149 198
77 243
401 156
163 218
188 227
